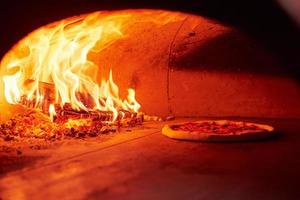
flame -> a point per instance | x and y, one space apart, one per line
58 54
12 91
51 65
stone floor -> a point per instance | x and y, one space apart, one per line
143 164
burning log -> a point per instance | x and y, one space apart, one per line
67 112
93 115
124 117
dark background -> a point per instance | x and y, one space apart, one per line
264 20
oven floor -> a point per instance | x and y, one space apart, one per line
143 164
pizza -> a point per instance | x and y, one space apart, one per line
218 131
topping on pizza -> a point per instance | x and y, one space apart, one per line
218 131
216 128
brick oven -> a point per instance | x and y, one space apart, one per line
84 96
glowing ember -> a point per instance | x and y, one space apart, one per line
57 55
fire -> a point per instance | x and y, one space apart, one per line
51 66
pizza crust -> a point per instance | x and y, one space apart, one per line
247 135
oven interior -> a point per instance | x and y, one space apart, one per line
185 61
